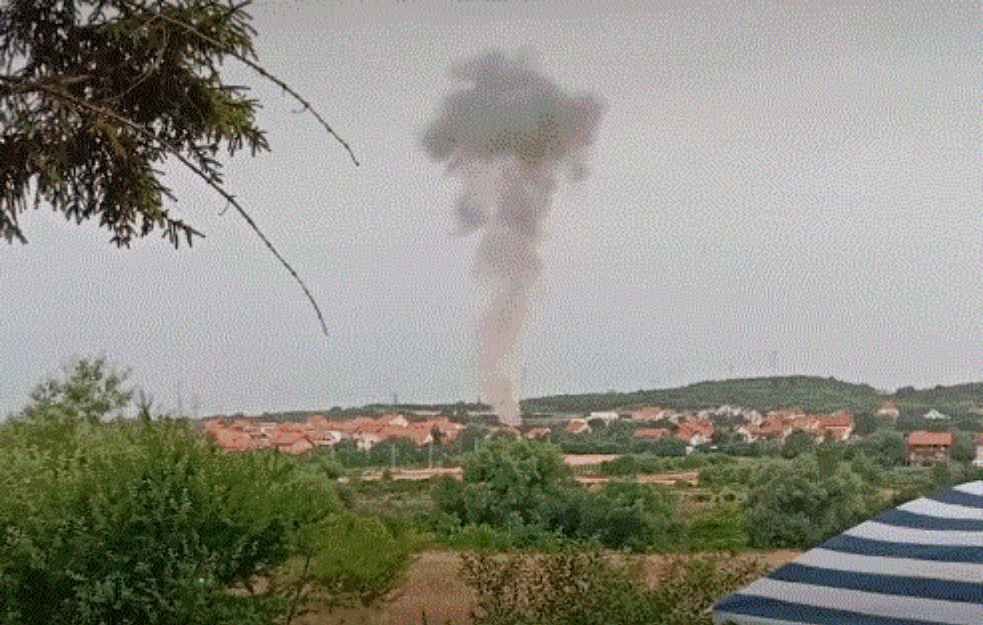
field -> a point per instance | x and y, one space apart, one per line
432 586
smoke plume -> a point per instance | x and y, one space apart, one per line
507 136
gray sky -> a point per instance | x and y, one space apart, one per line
778 188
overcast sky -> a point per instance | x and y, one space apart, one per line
777 188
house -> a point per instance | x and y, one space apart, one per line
810 424
653 434
772 428
837 426
935 415
695 432
231 439
538 432
649 413
748 432
606 416
577 426
889 411
929 447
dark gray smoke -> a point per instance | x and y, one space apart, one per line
507 135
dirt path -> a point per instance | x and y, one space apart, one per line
432 586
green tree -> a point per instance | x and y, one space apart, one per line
828 456
864 423
885 446
795 506
963 450
797 442
505 479
95 95
88 390
146 522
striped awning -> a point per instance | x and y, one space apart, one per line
918 564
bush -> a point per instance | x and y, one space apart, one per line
503 480
795 507
625 465
586 588
718 529
358 558
139 523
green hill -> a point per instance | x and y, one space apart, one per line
810 393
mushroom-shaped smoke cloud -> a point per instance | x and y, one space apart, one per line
507 136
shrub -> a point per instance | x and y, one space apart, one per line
717 529
139 523
625 465
587 588
794 506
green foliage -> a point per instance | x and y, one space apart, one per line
624 465
884 446
98 96
964 449
358 558
89 390
670 447
864 423
401 451
718 529
586 588
828 456
797 507
813 394
506 478
799 441
518 487
145 522
140 523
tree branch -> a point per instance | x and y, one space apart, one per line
259 69
201 174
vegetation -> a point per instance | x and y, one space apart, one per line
145 522
809 393
585 588
798 506
95 95
113 519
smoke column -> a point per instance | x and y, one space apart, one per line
507 136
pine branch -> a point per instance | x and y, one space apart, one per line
259 69
209 180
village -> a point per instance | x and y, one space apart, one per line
648 423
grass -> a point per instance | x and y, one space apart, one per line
432 592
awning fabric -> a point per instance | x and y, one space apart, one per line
918 564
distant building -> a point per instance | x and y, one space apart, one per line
695 432
650 413
935 415
577 426
837 426
929 447
605 416
653 434
889 411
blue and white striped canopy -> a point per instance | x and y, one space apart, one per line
918 564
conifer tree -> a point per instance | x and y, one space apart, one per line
95 95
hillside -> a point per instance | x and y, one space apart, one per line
809 393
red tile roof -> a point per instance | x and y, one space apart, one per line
921 437
653 433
